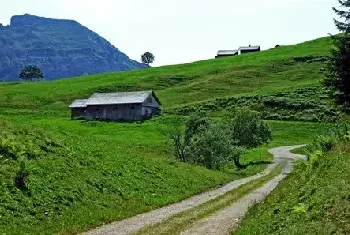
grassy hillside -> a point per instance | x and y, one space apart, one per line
260 73
99 172
315 199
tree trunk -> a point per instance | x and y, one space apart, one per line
238 164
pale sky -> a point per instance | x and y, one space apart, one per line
180 31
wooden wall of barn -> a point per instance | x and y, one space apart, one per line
132 112
249 51
150 107
224 56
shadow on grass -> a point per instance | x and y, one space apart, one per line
258 163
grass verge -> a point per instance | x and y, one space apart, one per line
178 223
314 199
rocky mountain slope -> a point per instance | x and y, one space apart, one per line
61 48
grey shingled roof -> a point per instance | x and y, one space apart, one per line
227 52
245 48
78 104
118 98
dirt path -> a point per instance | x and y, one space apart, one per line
228 219
223 220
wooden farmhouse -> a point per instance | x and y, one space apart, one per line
126 106
226 53
248 49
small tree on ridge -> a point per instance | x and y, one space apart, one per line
31 73
147 58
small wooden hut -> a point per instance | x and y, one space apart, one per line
226 53
249 49
127 106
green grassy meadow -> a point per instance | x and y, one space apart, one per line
98 172
318 205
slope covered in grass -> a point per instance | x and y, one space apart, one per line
100 172
314 199
259 73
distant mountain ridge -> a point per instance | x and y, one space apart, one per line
61 48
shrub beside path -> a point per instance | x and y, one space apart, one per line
224 221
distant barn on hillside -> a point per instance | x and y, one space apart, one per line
248 49
127 106
226 53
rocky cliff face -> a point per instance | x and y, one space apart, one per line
61 48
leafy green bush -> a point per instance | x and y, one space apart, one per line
247 128
311 104
328 141
196 124
216 144
214 148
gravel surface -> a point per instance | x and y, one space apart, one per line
227 220
136 223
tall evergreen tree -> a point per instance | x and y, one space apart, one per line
338 77
343 26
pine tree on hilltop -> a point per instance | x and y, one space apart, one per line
344 13
338 77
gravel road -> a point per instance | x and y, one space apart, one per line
220 223
227 220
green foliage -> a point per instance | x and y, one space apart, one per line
147 58
314 158
314 199
216 145
21 176
31 73
338 77
264 73
103 172
343 13
248 129
27 142
179 144
214 148
110 171
196 124
310 104
329 140
19 144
